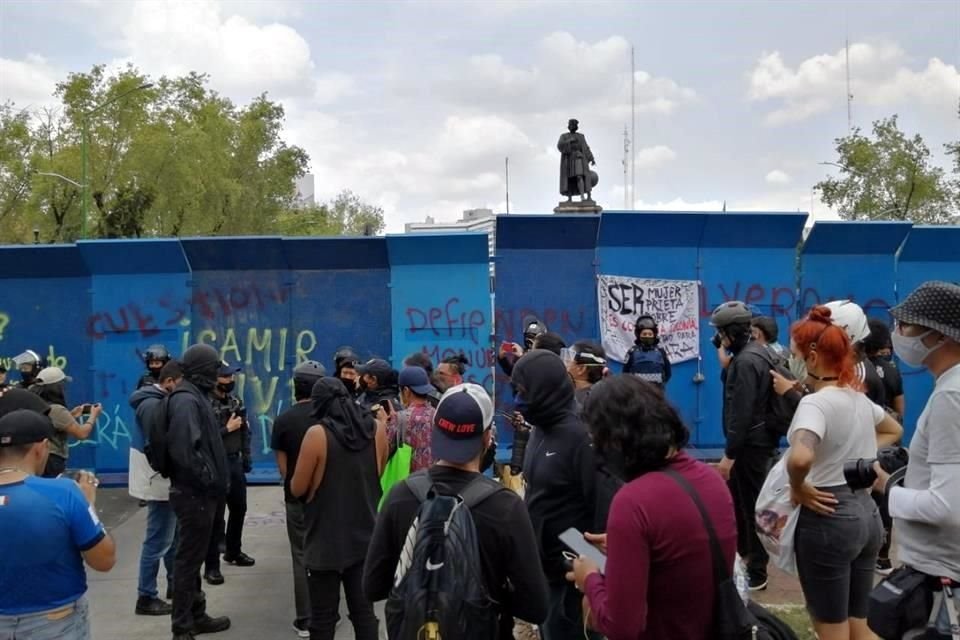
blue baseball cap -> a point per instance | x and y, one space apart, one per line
417 379
227 370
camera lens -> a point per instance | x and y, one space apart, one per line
859 474
520 439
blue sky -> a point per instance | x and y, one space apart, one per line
414 105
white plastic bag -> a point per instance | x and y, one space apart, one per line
777 518
740 579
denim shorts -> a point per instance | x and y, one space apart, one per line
66 623
837 556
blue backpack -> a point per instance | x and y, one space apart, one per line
646 364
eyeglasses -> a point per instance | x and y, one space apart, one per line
569 356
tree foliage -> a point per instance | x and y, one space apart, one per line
174 158
345 215
888 176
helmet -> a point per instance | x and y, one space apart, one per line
156 352
309 371
646 322
733 312
850 317
768 326
344 355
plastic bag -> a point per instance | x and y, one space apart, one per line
740 579
777 518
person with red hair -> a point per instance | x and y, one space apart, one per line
838 533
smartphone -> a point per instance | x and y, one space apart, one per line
73 474
86 409
506 347
574 540
386 406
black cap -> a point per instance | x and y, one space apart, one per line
227 370
24 426
14 399
934 305
377 367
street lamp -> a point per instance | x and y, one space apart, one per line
84 122
64 178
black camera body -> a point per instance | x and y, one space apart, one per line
860 474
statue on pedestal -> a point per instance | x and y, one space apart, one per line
576 177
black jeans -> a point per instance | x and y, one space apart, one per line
749 472
325 604
236 501
565 615
194 527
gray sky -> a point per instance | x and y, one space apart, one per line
415 105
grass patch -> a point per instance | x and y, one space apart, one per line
799 620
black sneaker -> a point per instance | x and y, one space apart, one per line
206 624
183 636
240 560
169 592
213 577
300 626
147 606
757 583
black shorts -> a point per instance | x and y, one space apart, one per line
837 556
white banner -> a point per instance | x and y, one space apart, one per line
674 304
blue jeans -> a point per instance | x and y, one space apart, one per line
67 623
159 544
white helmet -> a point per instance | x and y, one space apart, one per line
850 317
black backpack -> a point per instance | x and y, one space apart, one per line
441 594
779 408
732 619
156 435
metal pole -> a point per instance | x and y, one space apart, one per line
506 166
633 132
85 191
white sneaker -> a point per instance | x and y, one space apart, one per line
301 629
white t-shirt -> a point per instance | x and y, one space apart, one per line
846 422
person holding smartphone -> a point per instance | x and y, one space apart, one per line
50 385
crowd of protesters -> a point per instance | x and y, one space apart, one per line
392 492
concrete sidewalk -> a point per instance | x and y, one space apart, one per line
258 600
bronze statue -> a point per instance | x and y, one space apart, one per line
576 178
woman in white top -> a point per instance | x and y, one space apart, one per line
838 532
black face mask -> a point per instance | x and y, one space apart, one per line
154 373
648 342
227 387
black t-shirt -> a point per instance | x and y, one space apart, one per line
508 549
867 372
892 380
288 431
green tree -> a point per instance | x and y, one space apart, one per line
345 215
888 177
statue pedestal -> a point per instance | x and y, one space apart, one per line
578 206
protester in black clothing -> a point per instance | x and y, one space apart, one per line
560 473
289 429
510 352
586 362
198 481
551 342
154 357
877 347
345 362
338 474
379 383
235 431
512 574
751 446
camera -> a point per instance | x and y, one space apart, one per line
716 341
859 474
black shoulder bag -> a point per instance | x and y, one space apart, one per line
731 619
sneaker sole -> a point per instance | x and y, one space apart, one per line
759 587
142 612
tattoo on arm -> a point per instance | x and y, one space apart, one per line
807 438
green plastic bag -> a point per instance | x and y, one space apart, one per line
398 466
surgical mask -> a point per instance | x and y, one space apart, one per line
227 387
911 349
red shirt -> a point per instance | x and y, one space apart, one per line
659 583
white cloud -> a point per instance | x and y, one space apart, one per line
28 83
879 76
243 58
567 75
777 177
653 157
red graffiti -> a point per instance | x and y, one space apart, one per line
567 322
448 321
210 304
125 319
783 300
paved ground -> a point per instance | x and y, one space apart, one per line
259 600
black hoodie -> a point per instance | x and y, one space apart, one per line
559 466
